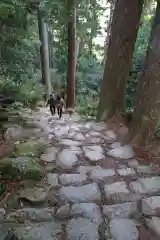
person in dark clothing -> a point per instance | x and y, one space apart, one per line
60 105
52 104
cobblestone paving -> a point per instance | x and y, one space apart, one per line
93 188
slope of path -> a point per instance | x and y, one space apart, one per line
93 189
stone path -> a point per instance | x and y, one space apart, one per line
91 188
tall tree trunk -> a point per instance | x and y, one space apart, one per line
125 23
93 28
112 4
51 50
44 53
147 101
71 57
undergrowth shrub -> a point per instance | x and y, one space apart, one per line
27 92
87 106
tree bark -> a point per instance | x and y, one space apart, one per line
93 28
71 57
44 52
125 23
112 4
147 100
51 50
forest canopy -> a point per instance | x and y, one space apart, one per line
21 57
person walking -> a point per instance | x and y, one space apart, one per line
52 104
60 105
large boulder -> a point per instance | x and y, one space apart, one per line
29 148
15 132
21 168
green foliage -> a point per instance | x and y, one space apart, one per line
87 109
18 45
31 93
87 104
28 92
19 52
138 58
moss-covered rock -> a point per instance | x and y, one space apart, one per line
21 168
29 148
16 133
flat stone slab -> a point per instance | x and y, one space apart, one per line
93 153
71 134
123 229
124 210
115 145
50 155
88 125
154 224
67 159
110 135
72 179
95 134
32 214
137 187
125 152
151 205
82 229
116 191
86 169
52 179
87 210
144 169
75 127
98 126
101 174
61 131
126 171
75 149
63 212
38 231
69 142
94 140
86 193
94 156
79 137
133 163
146 185
34 195
93 148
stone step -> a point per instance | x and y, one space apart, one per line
36 231
73 179
154 225
82 229
85 193
31 214
148 185
123 229
124 210
151 206
84 210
